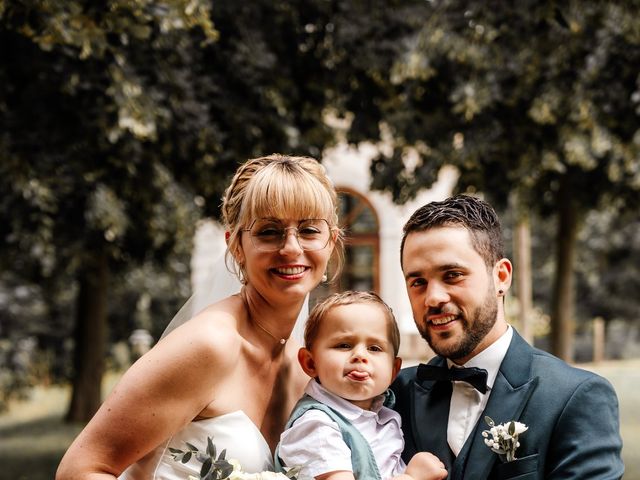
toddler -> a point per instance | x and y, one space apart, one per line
343 428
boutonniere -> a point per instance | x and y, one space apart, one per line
503 438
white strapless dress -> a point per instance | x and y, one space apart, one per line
233 431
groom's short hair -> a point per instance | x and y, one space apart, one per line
472 213
319 312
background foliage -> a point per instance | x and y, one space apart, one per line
121 123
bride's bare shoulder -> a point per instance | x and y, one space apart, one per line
212 333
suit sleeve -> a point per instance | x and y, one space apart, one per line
586 442
402 389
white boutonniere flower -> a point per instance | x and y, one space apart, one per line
503 438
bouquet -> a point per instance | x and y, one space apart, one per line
217 467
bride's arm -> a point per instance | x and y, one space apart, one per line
163 391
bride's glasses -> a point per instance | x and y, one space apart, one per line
268 235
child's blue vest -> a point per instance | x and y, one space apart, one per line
362 459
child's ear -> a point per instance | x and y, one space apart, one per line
397 364
306 362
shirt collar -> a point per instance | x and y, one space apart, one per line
491 357
345 407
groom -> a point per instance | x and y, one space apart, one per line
456 277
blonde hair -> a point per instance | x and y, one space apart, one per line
320 311
275 186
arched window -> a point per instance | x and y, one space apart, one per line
362 247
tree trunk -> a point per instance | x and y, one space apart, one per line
563 298
90 340
523 275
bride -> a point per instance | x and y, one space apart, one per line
230 372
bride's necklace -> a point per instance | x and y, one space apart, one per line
281 341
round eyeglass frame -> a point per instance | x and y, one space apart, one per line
281 243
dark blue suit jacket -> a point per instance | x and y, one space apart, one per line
572 417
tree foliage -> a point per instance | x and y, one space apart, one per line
608 282
121 122
520 95
86 189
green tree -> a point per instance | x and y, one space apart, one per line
535 99
86 190
608 282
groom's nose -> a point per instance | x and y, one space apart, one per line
435 295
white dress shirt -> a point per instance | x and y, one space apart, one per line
315 441
467 403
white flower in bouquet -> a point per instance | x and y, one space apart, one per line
258 476
238 474
503 438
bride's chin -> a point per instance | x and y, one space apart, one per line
291 288
300 293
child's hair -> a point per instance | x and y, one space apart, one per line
347 298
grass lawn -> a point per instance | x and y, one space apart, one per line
33 436
625 377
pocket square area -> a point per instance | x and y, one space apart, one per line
521 468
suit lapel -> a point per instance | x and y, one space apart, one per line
430 414
509 395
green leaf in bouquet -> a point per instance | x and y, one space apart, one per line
226 470
175 450
186 457
191 447
512 428
211 448
293 472
489 421
206 467
223 454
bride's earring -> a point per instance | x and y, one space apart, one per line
324 278
241 275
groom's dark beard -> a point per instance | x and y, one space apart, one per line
484 318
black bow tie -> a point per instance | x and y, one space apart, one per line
476 377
